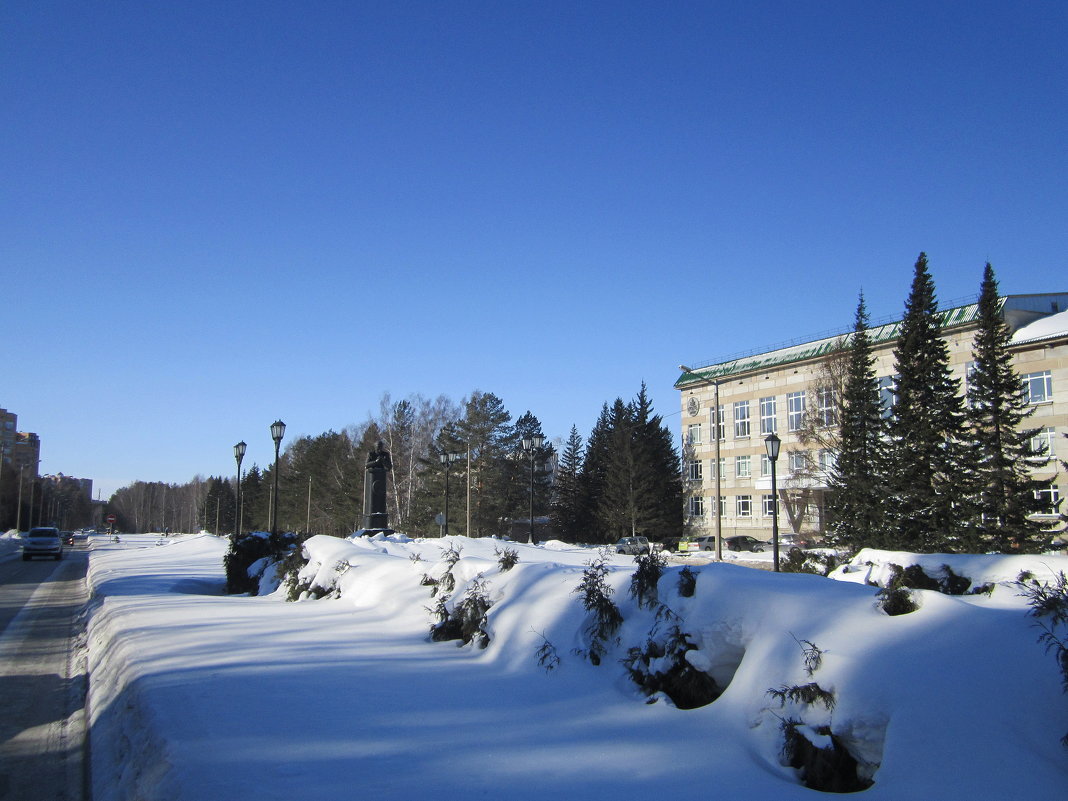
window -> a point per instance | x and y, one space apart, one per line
722 505
697 506
969 380
696 470
798 462
1042 444
769 505
765 465
744 505
887 394
742 467
767 416
827 460
693 434
795 410
1038 387
741 419
718 470
827 406
1052 496
719 425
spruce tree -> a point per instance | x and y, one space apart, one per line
658 481
594 474
528 425
855 503
617 507
568 512
925 468
631 473
1002 457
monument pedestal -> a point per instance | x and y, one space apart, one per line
375 517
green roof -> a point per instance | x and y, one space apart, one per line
881 334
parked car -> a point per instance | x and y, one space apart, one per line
706 543
634 545
670 544
41 541
794 541
745 543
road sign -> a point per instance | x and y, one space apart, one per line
111 518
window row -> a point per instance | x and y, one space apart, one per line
797 403
1036 387
743 506
821 461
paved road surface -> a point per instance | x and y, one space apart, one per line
42 679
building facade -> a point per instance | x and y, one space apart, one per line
728 409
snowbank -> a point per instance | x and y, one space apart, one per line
195 695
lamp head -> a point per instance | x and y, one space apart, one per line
278 430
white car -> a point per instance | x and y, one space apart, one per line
42 541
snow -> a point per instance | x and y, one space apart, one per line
196 695
1042 328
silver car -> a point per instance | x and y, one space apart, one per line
42 541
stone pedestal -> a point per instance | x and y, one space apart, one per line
375 516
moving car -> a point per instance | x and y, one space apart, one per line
42 541
745 543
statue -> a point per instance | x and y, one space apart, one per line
375 517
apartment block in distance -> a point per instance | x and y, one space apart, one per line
788 392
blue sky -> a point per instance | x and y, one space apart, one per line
213 215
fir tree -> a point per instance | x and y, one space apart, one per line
856 499
568 512
1002 458
925 465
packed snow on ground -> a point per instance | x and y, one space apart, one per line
195 695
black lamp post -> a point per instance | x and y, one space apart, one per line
278 430
531 444
239 454
772 443
447 458
2 454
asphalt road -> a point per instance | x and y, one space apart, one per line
43 678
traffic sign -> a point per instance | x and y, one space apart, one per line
111 518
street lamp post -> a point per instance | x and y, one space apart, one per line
447 458
716 424
239 454
2 452
772 443
531 445
278 430
18 511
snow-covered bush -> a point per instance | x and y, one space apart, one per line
1049 607
605 617
663 665
643 582
507 558
687 582
467 621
